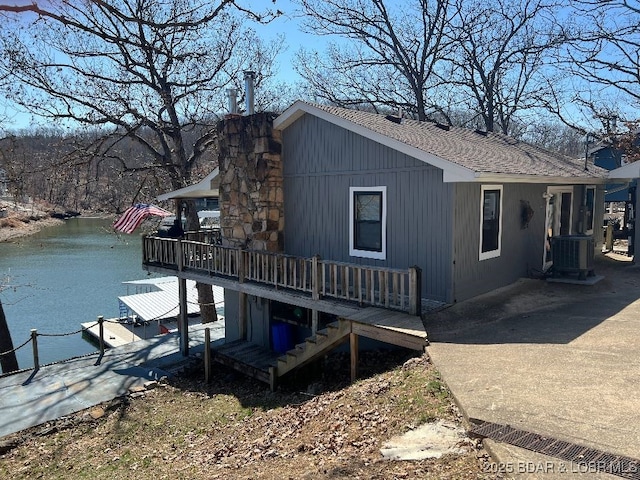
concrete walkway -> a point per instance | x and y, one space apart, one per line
31 398
559 360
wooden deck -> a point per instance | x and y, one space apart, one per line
315 278
248 358
395 328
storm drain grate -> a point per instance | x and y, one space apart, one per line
583 459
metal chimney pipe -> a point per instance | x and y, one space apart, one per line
232 100
249 76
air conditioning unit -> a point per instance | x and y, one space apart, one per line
573 254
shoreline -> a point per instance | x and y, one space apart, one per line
8 233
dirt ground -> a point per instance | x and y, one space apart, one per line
233 428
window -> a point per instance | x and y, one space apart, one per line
368 222
490 221
589 210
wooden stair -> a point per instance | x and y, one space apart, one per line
322 342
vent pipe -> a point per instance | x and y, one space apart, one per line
232 100
249 76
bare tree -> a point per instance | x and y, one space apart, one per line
392 59
605 55
502 58
153 71
8 359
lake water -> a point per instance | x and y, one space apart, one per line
62 277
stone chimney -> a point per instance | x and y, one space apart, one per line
251 196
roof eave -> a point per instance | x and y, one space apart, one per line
629 171
203 189
544 179
452 172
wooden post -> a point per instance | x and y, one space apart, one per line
608 238
101 330
272 378
316 278
241 266
179 259
314 321
207 354
353 345
242 315
415 291
34 345
183 321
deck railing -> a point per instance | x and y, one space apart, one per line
366 285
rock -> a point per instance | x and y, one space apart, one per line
97 413
431 440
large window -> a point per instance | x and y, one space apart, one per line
490 221
368 222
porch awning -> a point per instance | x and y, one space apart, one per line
205 188
628 171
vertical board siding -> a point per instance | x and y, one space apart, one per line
521 249
321 161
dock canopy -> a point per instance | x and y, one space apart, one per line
163 304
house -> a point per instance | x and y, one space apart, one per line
608 155
344 224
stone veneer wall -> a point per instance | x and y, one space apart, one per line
251 196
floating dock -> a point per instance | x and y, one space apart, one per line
150 313
116 333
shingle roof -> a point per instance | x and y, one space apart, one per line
482 153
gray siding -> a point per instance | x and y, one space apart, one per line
258 329
522 248
321 161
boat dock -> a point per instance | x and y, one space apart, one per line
33 397
149 312
117 333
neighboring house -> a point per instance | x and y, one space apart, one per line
328 214
607 156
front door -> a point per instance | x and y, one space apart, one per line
558 220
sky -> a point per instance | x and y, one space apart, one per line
286 24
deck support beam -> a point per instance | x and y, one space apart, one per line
353 346
314 322
242 315
183 322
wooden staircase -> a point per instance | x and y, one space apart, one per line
395 328
322 342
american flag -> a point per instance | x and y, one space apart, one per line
133 216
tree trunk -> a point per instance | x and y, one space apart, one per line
205 291
8 362
207 303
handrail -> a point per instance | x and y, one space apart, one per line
368 285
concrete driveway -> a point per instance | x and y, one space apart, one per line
558 360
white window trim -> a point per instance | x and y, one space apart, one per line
382 255
492 253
